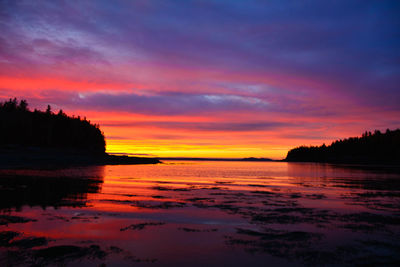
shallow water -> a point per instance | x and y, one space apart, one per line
200 214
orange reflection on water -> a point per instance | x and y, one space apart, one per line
165 214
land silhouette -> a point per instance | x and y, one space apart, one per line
370 148
44 137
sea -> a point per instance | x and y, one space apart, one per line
201 213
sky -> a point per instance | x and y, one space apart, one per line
207 78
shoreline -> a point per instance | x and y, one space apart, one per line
252 159
42 157
39 157
351 163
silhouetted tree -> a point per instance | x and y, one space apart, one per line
10 105
48 110
23 105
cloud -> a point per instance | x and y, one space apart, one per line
326 42
205 126
168 103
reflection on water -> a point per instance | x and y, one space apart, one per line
200 213
51 188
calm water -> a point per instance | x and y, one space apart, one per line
200 214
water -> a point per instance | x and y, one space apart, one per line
200 214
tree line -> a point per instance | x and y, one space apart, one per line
376 147
22 127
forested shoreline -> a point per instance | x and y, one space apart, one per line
44 137
20 126
376 147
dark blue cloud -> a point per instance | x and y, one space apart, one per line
166 104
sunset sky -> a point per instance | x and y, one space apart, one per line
207 78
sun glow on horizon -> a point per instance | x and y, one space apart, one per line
155 149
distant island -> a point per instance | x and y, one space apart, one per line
43 137
370 148
217 159
256 159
